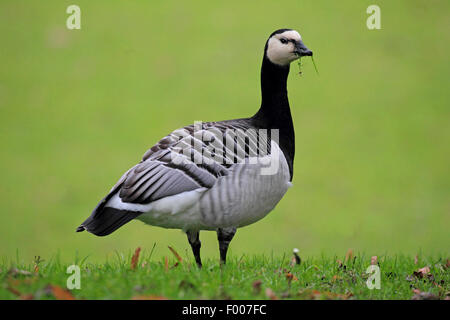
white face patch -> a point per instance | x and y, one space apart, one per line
283 53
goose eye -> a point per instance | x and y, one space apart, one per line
283 41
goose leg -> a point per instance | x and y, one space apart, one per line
224 236
194 241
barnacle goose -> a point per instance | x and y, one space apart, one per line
216 175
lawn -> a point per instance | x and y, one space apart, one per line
142 276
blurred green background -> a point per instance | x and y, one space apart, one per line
79 107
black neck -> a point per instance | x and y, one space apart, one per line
275 112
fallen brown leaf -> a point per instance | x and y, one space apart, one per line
349 255
61 294
416 259
14 291
135 258
12 282
422 272
176 254
424 296
166 264
270 294
289 277
317 295
347 295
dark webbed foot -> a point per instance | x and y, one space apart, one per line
224 236
194 241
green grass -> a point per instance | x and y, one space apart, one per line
315 278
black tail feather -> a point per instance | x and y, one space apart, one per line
107 221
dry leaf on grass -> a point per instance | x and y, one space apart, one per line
17 293
166 264
61 294
14 291
422 272
135 258
270 294
290 277
416 259
176 254
317 295
349 255
424 296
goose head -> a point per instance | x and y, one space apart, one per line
285 46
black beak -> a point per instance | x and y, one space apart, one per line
301 49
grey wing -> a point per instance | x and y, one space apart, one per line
170 168
190 158
157 178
